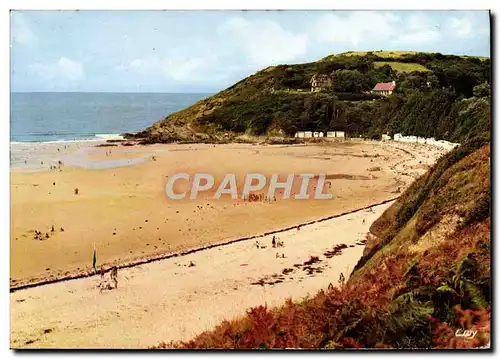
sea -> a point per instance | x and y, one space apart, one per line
77 116
42 124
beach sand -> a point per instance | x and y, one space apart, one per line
124 211
169 300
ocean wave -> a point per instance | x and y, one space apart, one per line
109 136
95 137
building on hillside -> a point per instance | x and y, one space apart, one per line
384 88
320 82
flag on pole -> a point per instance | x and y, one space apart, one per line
94 259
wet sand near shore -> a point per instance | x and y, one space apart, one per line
125 212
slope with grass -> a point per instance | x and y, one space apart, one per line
402 66
386 54
381 53
277 101
424 274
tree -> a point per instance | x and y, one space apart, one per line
349 81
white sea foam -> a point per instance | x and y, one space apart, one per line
97 137
109 136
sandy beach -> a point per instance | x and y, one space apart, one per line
124 211
171 300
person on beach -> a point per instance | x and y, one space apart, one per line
274 242
341 279
104 283
114 276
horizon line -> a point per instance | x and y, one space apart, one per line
123 92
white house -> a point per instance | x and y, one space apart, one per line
384 88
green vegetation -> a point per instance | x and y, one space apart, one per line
434 98
388 54
402 66
383 54
425 275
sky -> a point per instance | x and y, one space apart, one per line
207 51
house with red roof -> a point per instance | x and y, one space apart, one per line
384 88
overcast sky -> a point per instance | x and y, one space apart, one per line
206 51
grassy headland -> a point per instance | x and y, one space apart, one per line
441 96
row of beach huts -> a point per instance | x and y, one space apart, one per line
398 137
311 134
